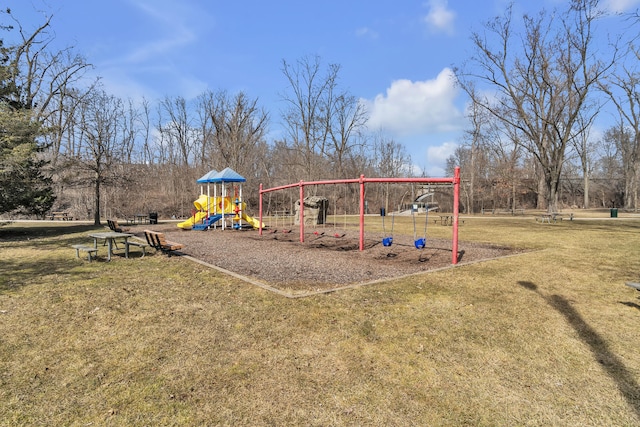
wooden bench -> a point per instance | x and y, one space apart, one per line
88 249
114 226
159 242
142 245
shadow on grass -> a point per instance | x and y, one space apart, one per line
41 242
614 367
24 272
630 304
16 233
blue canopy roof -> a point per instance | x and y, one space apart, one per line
228 175
207 177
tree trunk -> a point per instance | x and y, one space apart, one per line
96 214
586 191
552 194
542 189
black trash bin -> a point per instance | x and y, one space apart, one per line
614 212
153 217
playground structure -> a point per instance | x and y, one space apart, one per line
362 181
212 209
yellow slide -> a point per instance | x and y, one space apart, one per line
254 222
186 225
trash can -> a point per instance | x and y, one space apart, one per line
382 212
614 212
153 217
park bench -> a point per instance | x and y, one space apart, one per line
88 249
158 241
114 226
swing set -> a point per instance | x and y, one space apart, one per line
419 243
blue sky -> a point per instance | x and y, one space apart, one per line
394 55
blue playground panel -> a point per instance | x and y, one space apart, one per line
207 222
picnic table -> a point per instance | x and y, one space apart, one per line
504 211
110 238
63 216
444 220
546 218
552 217
140 219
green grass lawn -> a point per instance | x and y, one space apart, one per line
549 337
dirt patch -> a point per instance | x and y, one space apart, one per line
324 261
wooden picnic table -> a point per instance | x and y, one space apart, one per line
141 218
546 218
552 217
63 216
110 237
444 219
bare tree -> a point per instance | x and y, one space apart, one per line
472 160
624 139
390 159
102 140
41 73
585 150
148 155
307 115
238 126
542 84
177 130
623 91
347 119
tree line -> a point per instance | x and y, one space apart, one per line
536 87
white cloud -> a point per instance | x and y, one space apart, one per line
411 108
440 19
619 6
437 158
176 21
366 32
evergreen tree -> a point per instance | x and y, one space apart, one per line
23 184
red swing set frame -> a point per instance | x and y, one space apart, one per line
455 180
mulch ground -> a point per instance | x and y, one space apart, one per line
323 262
